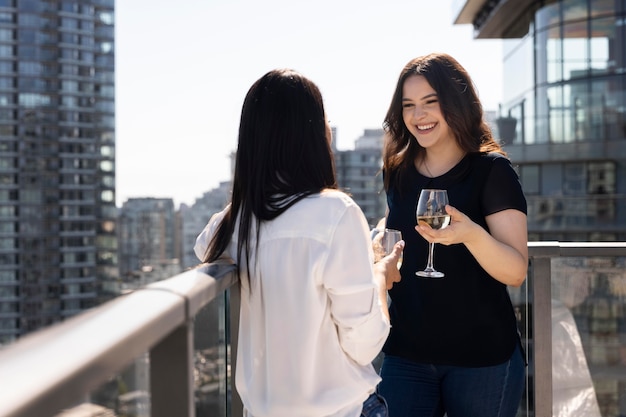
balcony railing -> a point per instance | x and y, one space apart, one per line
62 366
536 297
58 367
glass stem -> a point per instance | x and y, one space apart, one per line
431 249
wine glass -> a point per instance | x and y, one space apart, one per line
390 238
431 212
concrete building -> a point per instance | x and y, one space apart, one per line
194 218
147 240
563 116
359 174
58 253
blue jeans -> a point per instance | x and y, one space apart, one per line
423 390
374 406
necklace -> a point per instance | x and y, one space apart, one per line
426 167
430 174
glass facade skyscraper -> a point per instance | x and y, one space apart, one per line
563 116
57 160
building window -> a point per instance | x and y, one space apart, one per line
7 243
6 17
601 178
6 83
6 51
107 196
574 179
8 276
6 35
529 177
575 50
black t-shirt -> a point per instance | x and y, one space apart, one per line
465 318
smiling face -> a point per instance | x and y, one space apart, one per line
422 114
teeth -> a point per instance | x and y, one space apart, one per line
426 127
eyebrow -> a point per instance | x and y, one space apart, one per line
423 98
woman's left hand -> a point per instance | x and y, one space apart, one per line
459 230
502 252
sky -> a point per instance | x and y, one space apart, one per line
183 69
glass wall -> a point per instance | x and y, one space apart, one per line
564 81
565 94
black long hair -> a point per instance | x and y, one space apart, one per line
283 156
460 107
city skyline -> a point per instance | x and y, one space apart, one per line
182 74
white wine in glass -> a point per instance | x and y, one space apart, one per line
431 212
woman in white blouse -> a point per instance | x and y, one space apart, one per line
313 303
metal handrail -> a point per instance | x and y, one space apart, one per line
565 249
56 367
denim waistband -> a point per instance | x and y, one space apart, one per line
374 406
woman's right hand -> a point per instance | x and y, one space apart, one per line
377 245
387 266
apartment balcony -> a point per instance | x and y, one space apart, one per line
166 349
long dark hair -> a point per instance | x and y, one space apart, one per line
283 155
460 107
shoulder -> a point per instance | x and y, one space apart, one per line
217 218
324 206
328 199
338 196
502 188
318 216
490 161
205 236
490 165
491 158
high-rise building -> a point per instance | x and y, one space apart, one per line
359 174
194 218
147 238
563 116
57 161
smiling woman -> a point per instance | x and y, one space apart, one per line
454 345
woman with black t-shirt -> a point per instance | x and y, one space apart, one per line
454 346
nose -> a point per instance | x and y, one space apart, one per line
418 111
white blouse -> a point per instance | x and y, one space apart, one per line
310 318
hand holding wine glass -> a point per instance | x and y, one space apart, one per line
384 242
390 238
431 212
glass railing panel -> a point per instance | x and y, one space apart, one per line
589 335
126 394
520 299
211 361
